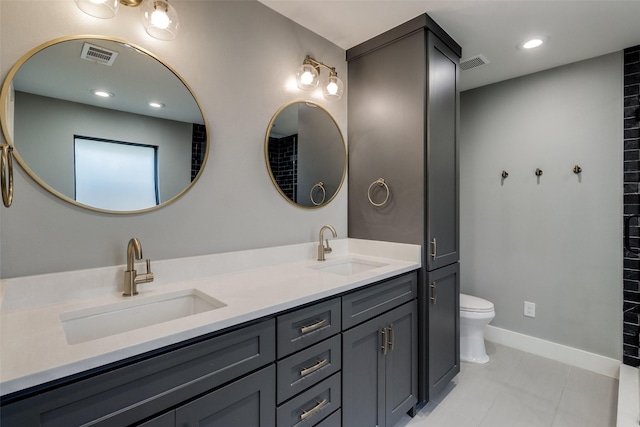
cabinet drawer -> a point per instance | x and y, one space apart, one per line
333 420
307 326
128 394
314 404
307 367
165 420
374 300
247 402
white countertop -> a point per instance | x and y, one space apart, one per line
252 284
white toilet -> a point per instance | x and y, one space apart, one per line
475 314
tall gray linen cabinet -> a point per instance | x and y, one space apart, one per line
403 115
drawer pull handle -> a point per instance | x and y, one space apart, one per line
310 369
306 414
434 252
317 325
392 337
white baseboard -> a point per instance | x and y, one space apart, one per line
562 353
628 401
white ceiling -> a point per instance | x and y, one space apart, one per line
134 78
576 29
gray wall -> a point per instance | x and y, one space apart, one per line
45 129
557 240
240 59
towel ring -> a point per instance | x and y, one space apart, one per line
381 183
6 175
319 185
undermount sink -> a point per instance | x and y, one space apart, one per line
134 313
347 267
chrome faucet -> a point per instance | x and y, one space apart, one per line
322 249
131 277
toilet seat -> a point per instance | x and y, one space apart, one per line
473 304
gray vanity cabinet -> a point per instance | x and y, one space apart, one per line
380 353
403 128
351 360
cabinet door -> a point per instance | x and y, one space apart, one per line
380 369
248 402
442 301
386 140
401 362
442 156
363 375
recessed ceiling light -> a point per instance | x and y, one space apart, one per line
155 104
101 93
532 43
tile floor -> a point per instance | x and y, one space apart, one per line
518 389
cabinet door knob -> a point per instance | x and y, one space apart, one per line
434 293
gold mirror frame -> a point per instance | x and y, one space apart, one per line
321 187
5 92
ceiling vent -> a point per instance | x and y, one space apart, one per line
473 62
98 54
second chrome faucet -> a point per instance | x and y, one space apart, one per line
322 249
131 277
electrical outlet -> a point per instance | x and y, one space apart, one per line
530 309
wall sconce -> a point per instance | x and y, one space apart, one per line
159 18
308 74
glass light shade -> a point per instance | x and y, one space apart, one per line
160 19
99 8
334 88
307 77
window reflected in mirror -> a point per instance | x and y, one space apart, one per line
108 90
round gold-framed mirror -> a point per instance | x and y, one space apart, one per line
104 124
305 154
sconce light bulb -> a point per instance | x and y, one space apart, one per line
307 77
104 9
334 88
160 19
